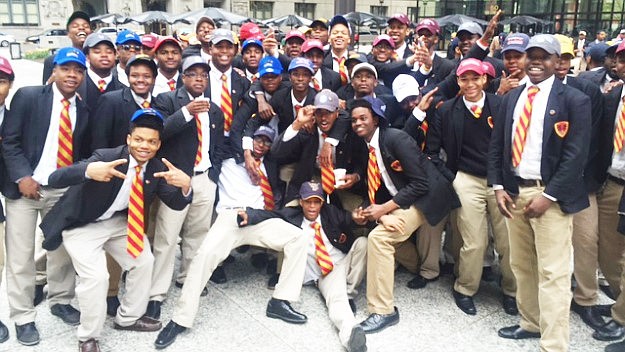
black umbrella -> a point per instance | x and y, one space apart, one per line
364 19
288 20
150 17
216 14
524 21
109 18
457 20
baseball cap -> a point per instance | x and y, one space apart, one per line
582 32
304 29
598 52
327 99
471 27
147 112
221 34
470 64
311 190
5 66
612 49
312 44
151 40
269 64
402 18
364 66
338 19
489 69
384 38
566 45
515 41
376 105
78 14
149 118
96 38
294 33
547 42
250 30
319 22
70 54
619 48
251 41
355 56
429 25
266 131
141 59
126 36
405 86
204 20
622 31
168 39
301 62
194 60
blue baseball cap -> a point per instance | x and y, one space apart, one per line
515 41
147 112
301 62
269 64
70 54
126 36
266 131
376 105
251 41
311 190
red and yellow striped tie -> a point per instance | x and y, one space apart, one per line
226 103
102 86
477 111
145 104
198 155
323 258
619 131
342 69
424 127
373 175
297 107
522 126
316 84
327 175
134 244
65 154
265 187
172 84
394 56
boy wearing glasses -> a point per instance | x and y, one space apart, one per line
128 44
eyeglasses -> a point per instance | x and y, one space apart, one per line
194 75
129 47
262 141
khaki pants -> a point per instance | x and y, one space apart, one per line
381 259
224 236
192 224
87 246
586 253
478 206
611 243
424 258
20 263
335 287
540 257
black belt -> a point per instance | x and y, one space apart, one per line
616 180
529 183
195 173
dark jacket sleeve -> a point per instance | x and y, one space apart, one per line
17 165
255 216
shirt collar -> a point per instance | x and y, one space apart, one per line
295 101
479 103
95 78
216 73
375 140
58 96
139 100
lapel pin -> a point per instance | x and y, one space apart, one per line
147 182
552 112
213 126
234 91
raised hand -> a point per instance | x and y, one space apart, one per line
104 171
490 29
426 100
175 177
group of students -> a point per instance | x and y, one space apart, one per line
340 164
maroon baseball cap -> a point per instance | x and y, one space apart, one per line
312 44
489 69
384 38
5 66
250 30
294 33
168 39
150 40
430 25
470 64
402 18
620 47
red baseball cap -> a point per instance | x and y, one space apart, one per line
250 30
294 33
384 38
620 47
312 44
489 69
402 18
167 39
430 25
150 40
470 64
5 66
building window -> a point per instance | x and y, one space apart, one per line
379 10
413 14
305 10
261 10
19 12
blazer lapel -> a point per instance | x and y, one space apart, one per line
458 116
552 111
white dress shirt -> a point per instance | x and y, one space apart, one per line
95 78
388 183
617 168
216 83
313 271
205 163
479 103
236 189
123 196
139 100
161 83
122 77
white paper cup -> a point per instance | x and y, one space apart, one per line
338 177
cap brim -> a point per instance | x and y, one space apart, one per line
313 196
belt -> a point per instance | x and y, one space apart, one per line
195 173
616 180
529 183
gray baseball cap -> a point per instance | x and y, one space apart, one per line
547 42
221 34
194 60
471 27
364 66
96 38
266 131
327 99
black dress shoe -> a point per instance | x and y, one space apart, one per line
420 282
4 332
39 295
509 305
352 305
167 336
273 281
142 324
377 322
243 248
447 269
615 347
488 274
464 302
604 309
589 315
154 310
90 345
357 340
69 314
608 292
27 334
515 332
611 331
219 275
112 303
272 266
204 291
281 309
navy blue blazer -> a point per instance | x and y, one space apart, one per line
109 125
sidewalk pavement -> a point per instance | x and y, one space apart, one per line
232 316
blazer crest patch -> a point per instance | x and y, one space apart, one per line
342 238
396 166
561 128
490 121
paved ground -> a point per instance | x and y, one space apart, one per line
232 316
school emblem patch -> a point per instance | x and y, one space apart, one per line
561 128
490 121
396 166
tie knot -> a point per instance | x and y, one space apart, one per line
324 135
315 225
102 82
171 81
371 150
340 60
145 104
257 161
224 77
533 90
474 108
65 102
138 170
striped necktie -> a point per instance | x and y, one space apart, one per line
522 126
145 104
342 70
134 244
297 107
323 258
265 187
619 131
198 155
327 174
316 84
226 103
102 86
65 154
424 127
172 84
373 175
476 110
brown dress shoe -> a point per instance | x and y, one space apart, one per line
143 324
90 345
